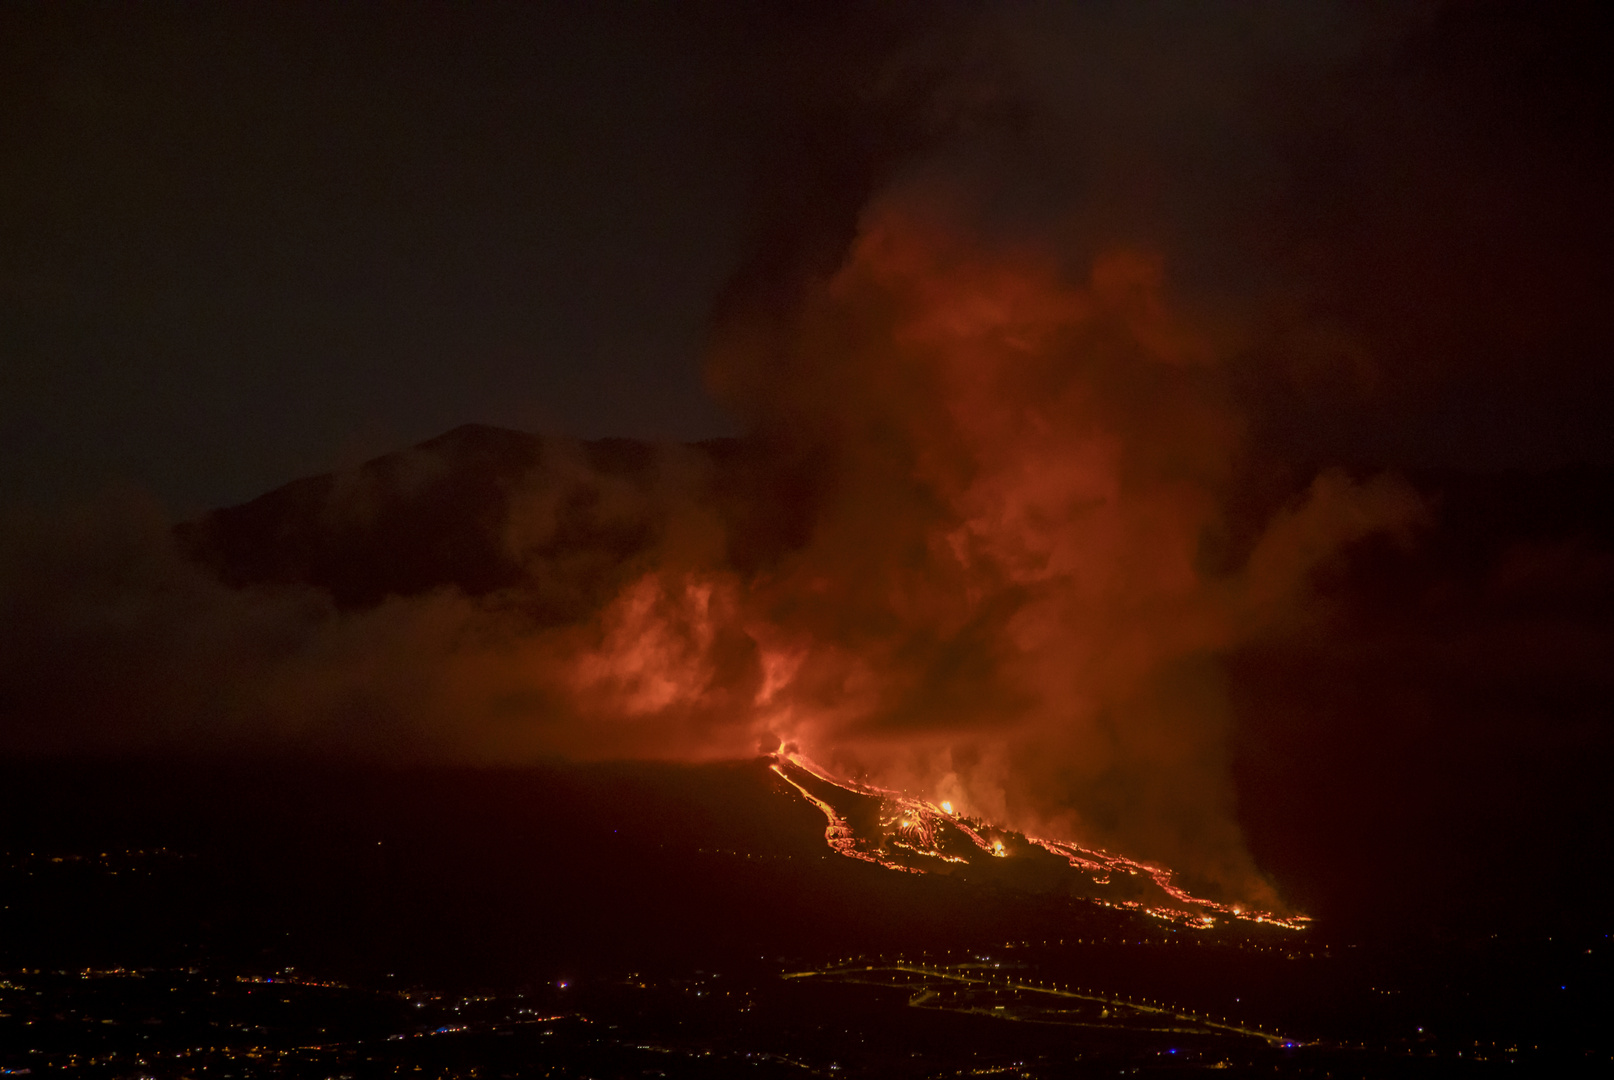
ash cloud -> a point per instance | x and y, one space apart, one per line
1049 315
994 592
1005 601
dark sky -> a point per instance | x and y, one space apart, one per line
240 243
244 242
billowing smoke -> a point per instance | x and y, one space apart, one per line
1009 473
1006 600
1003 356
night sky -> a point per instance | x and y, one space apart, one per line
244 243
247 242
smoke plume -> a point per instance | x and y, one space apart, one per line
1007 351
1000 596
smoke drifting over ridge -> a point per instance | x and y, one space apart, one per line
1001 599
1007 349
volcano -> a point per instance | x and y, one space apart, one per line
862 900
436 517
1509 564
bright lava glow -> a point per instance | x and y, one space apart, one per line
911 827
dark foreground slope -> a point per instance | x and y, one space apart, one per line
296 918
462 874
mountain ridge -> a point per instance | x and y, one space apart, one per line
1494 619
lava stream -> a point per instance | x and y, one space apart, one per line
920 827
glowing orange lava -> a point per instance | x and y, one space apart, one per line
916 827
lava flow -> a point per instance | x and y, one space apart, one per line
898 832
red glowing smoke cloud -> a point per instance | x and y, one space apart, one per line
1002 601
997 597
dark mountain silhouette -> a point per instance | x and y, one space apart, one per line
437 515
404 523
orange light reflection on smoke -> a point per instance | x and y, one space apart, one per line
1001 596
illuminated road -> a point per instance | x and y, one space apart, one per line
861 973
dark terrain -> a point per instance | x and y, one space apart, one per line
304 919
1421 768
